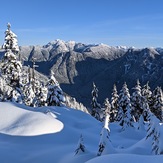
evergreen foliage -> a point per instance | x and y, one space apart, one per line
141 124
11 69
157 103
124 114
29 95
114 104
107 108
104 136
42 96
72 103
153 133
96 107
80 147
11 42
55 95
136 101
10 66
147 93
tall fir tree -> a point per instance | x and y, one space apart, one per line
147 93
154 134
29 95
147 100
114 104
55 95
136 101
151 121
157 103
96 107
11 42
126 120
42 96
11 68
107 108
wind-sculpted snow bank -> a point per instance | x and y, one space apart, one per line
18 121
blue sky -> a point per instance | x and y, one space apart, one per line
136 23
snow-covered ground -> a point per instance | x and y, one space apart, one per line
51 134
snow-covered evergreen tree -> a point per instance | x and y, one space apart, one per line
128 119
114 104
80 147
11 42
153 133
16 96
156 148
146 101
146 93
10 66
34 92
146 110
119 117
24 78
151 122
141 124
11 69
136 101
96 107
107 108
42 96
5 90
104 137
72 103
157 103
29 95
55 95
125 105
36 86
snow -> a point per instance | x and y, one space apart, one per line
67 46
51 134
17 121
127 158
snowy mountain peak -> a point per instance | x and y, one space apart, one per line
66 46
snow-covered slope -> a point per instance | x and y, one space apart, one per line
18 121
51 134
127 158
78 65
46 134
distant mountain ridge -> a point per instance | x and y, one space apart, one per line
77 66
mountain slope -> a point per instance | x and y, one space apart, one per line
78 65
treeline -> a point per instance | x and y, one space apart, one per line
123 104
142 111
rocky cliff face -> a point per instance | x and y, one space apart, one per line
77 65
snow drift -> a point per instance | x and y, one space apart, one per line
18 121
51 135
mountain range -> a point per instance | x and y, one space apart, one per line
77 66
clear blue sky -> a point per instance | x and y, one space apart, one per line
136 23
